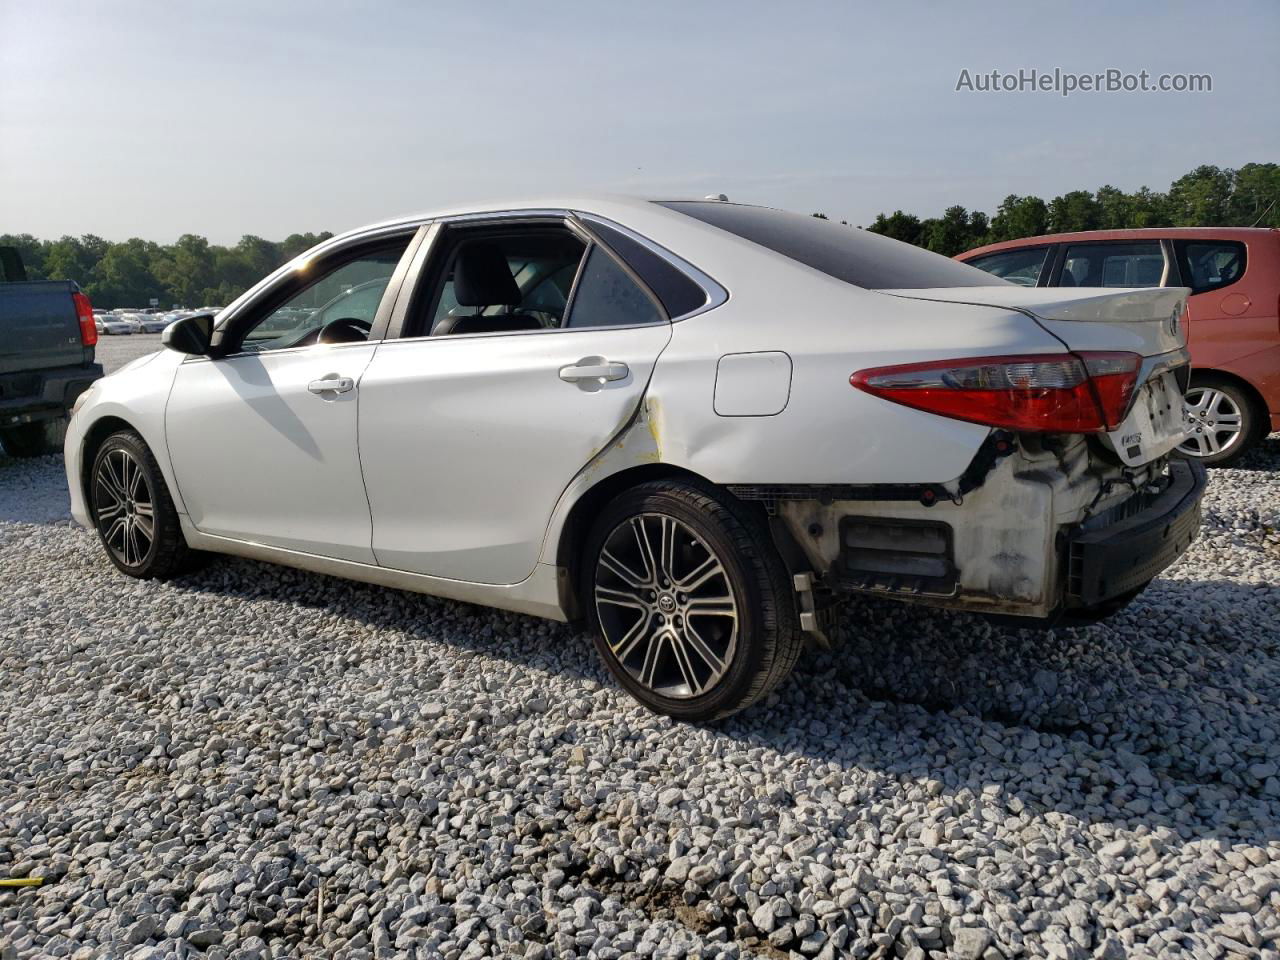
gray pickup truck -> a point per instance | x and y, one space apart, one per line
47 336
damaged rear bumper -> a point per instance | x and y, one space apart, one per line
1045 530
1110 556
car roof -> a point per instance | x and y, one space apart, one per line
1145 233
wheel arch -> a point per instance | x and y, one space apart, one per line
577 524
578 520
93 440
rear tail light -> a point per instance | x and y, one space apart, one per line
84 313
1043 393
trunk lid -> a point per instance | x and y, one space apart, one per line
1148 321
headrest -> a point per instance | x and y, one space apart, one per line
482 277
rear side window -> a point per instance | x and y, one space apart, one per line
1112 265
846 253
1021 266
607 297
678 293
1210 265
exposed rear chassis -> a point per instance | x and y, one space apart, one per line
1048 528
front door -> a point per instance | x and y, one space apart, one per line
540 350
263 440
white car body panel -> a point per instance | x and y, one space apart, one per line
455 464
260 458
467 442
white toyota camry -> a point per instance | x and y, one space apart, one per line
697 426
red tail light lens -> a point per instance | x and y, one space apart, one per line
1043 393
84 313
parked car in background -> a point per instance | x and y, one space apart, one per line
155 322
695 425
47 339
1234 312
113 324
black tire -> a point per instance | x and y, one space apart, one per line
126 457
755 650
1236 398
34 439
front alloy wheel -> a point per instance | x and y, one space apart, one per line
133 511
690 603
124 507
1222 420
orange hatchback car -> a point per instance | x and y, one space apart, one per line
1234 332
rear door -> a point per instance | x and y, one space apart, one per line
473 425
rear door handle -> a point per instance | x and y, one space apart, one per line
332 384
594 368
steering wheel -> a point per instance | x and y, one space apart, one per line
345 330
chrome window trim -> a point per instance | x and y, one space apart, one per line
715 293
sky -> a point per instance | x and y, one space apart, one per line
150 119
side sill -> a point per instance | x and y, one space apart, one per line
538 595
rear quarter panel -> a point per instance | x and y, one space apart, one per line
828 431
1236 328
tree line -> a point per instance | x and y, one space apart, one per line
193 272
1208 196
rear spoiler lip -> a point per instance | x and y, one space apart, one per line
1106 305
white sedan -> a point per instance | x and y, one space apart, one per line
696 426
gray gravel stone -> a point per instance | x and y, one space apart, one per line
201 763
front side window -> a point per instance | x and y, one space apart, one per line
608 297
1021 266
1113 265
339 306
1210 265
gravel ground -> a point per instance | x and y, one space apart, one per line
254 762
114 352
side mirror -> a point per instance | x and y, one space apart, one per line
190 335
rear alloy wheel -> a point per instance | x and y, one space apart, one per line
132 510
689 601
1223 420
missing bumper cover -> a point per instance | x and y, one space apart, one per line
896 556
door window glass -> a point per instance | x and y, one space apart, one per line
608 297
507 282
1113 265
1211 265
338 306
1021 266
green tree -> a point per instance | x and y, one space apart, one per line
1255 197
1018 217
1077 210
955 232
1201 198
899 226
123 276
69 259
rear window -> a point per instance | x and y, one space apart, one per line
1210 264
846 253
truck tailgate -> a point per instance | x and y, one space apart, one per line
38 327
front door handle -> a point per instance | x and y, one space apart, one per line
594 368
332 384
